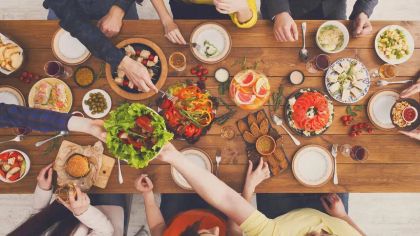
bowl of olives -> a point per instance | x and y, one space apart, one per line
96 103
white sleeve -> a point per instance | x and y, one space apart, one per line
41 199
94 219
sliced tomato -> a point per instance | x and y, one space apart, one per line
4 156
166 104
15 176
145 123
137 144
190 130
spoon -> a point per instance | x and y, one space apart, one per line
278 121
303 53
120 177
16 139
62 133
382 83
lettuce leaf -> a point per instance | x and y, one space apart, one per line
123 118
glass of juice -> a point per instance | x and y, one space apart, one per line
57 70
385 71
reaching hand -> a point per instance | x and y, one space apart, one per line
168 153
285 28
97 129
143 184
78 203
172 33
254 178
44 178
361 25
138 74
415 134
413 89
230 6
333 205
111 23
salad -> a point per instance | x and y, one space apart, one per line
393 44
331 38
190 112
136 134
12 165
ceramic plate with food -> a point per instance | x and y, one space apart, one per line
11 95
309 112
51 94
11 55
379 107
347 80
197 156
332 37
313 166
250 89
68 49
148 54
136 134
405 114
213 43
394 44
190 112
96 103
14 165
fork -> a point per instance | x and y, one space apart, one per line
15 139
218 160
169 96
334 154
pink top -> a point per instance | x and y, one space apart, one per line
96 220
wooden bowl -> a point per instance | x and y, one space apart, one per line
163 74
263 141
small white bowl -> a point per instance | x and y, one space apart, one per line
340 27
415 117
28 166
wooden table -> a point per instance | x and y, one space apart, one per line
394 160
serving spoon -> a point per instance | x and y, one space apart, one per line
62 133
15 139
278 121
303 53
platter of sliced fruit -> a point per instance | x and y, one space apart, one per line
149 55
14 165
250 89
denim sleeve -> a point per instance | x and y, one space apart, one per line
13 116
365 6
78 25
123 4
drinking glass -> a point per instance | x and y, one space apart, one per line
318 63
385 71
227 132
57 70
356 152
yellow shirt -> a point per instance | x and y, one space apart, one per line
251 3
296 223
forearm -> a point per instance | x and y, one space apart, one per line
365 6
213 190
244 15
123 4
154 216
79 124
353 224
161 11
271 8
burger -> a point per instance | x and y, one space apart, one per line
77 166
63 191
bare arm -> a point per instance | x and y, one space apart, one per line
352 223
161 11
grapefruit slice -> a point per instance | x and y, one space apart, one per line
262 87
247 79
244 98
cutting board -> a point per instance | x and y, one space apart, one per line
104 173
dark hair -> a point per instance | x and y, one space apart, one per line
55 217
192 230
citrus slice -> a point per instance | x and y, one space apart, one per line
247 79
244 98
262 87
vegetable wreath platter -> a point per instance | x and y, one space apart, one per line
136 133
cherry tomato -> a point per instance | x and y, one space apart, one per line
344 118
199 73
358 132
193 71
353 134
205 71
370 130
200 67
350 118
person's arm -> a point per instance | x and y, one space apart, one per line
172 32
209 187
285 28
43 191
123 4
154 216
365 6
271 8
361 12
246 18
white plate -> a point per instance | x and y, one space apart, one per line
379 108
52 107
216 35
199 158
11 95
342 28
313 166
28 165
86 107
410 42
68 49
337 96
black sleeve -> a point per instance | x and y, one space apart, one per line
365 6
77 24
123 4
270 8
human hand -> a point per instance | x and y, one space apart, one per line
413 89
230 6
44 178
97 129
361 25
111 23
172 32
415 134
143 184
285 28
138 74
78 203
254 178
333 205
168 153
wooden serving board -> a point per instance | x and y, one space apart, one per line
104 173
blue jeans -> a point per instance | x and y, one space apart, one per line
277 204
101 9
